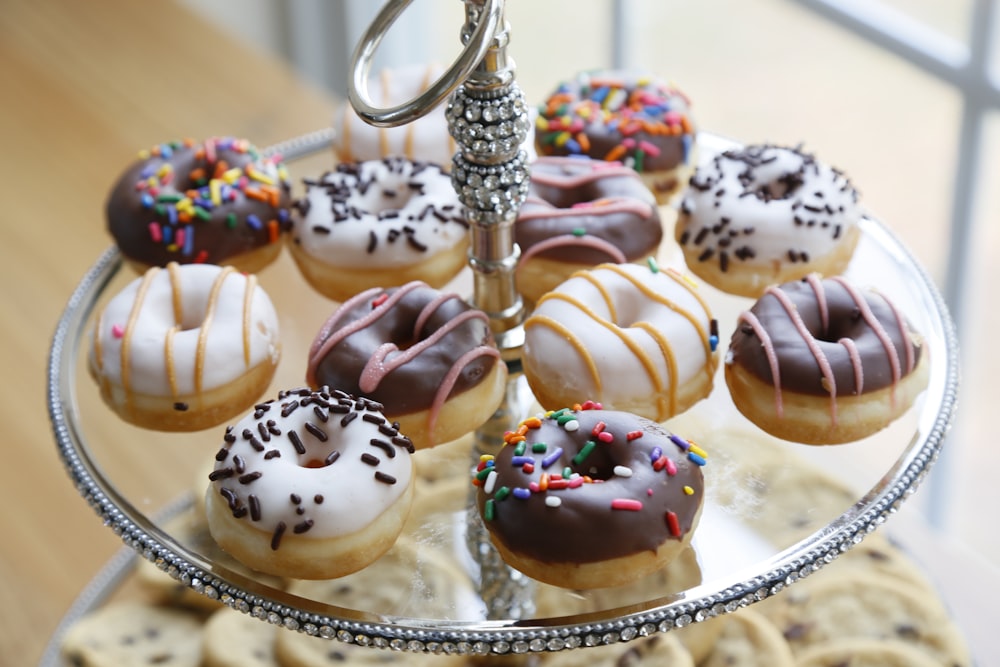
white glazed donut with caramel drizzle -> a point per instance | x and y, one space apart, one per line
425 139
185 347
633 337
312 485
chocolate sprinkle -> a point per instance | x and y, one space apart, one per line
254 507
334 455
384 478
384 446
302 527
319 433
279 530
296 442
370 459
250 477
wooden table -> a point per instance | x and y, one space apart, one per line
84 86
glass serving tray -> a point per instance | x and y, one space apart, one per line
774 513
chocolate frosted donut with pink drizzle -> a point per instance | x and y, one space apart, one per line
425 355
579 213
820 361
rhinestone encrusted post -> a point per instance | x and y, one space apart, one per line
488 118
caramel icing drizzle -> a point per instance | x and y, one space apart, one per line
666 388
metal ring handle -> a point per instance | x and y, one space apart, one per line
472 55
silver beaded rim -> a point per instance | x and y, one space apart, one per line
505 636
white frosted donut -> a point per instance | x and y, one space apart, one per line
313 485
426 138
379 223
631 337
762 215
185 347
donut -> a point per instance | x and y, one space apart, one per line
763 215
425 139
632 337
380 223
580 213
819 361
425 355
590 498
217 202
619 116
310 485
185 347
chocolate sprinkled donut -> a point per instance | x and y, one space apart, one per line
308 481
765 214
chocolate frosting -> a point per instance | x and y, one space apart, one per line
851 315
146 222
393 316
584 527
584 197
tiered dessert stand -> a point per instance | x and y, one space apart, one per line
488 117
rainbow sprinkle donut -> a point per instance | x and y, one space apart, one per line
625 117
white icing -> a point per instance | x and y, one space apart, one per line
807 220
380 214
242 331
608 334
350 496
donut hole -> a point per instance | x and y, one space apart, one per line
598 465
783 186
388 197
316 460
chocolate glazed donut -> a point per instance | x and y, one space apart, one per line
411 348
216 202
825 340
590 486
587 211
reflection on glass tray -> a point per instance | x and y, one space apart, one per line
775 511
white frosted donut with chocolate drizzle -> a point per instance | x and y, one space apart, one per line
379 223
312 485
629 336
425 139
764 215
822 362
425 355
185 347
579 213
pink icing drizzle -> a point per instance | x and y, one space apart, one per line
883 336
772 358
810 341
855 357
564 240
